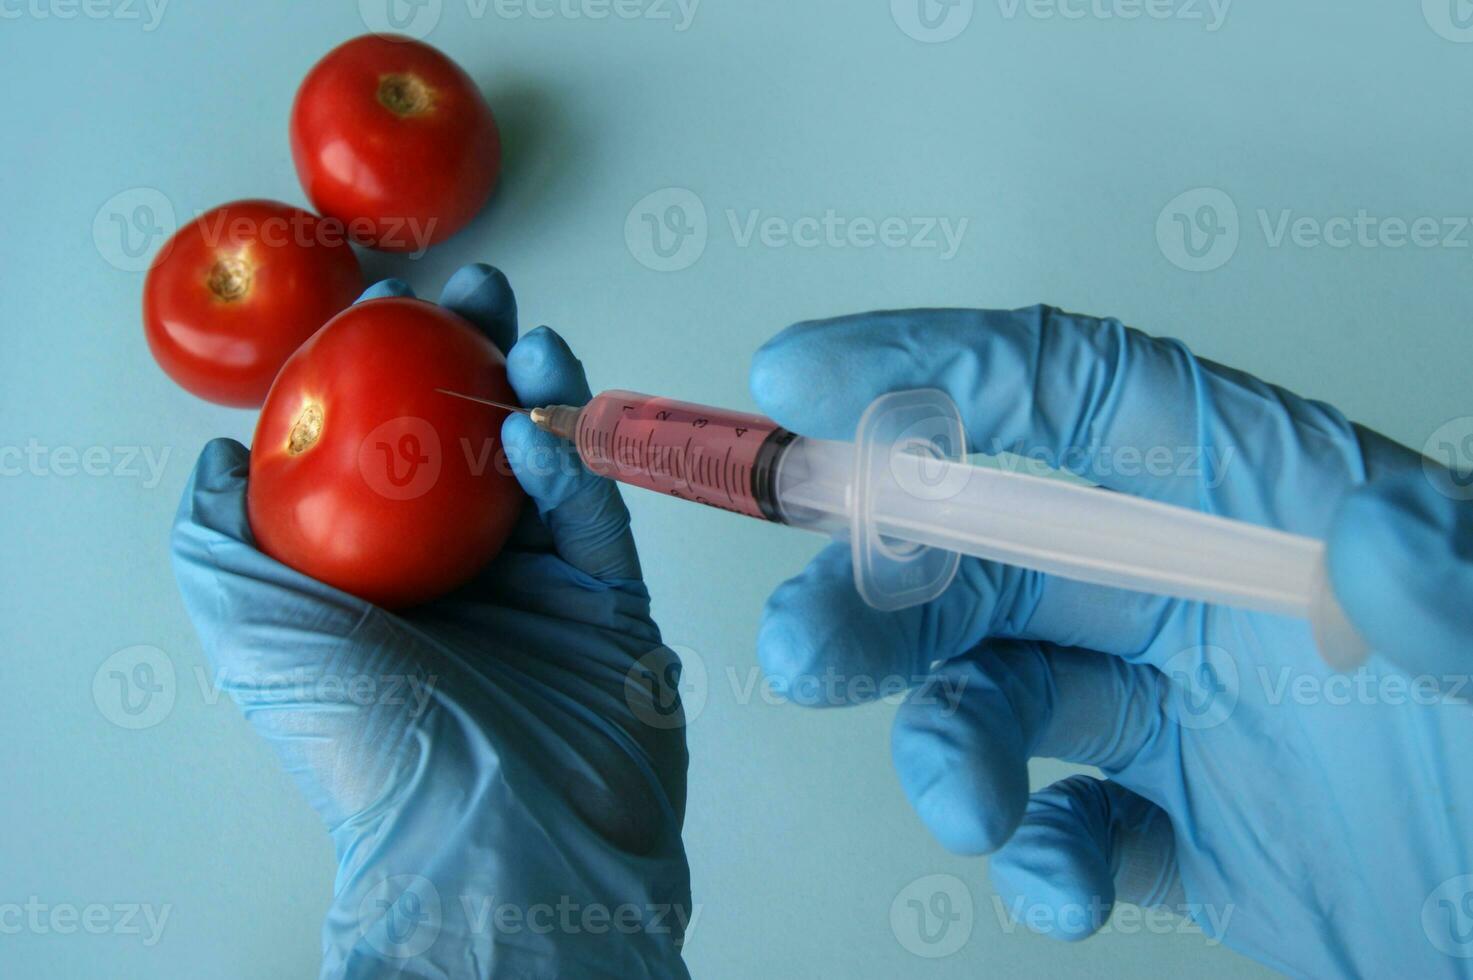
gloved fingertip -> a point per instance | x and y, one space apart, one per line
214 497
797 333
543 370
542 349
548 468
516 429
223 464
1039 890
384 288
782 648
777 376
586 516
481 280
850 360
802 632
482 295
1053 881
966 779
821 645
542 462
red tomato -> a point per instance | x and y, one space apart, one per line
391 137
367 478
236 290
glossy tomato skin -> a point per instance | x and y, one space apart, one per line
394 139
364 476
233 293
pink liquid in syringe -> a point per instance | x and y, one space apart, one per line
709 455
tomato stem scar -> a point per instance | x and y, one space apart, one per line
306 430
405 94
230 278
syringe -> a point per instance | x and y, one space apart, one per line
910 505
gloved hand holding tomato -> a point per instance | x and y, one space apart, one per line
485 761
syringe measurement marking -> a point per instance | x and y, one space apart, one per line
688 468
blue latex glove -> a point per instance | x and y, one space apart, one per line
503 771
1317 836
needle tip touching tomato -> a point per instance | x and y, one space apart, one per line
234 292
391 137
364 476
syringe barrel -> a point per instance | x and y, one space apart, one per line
710 455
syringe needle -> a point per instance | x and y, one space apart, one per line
485 401
560 420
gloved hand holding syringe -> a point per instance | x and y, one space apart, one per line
909 503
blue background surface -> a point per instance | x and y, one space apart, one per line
1060 140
